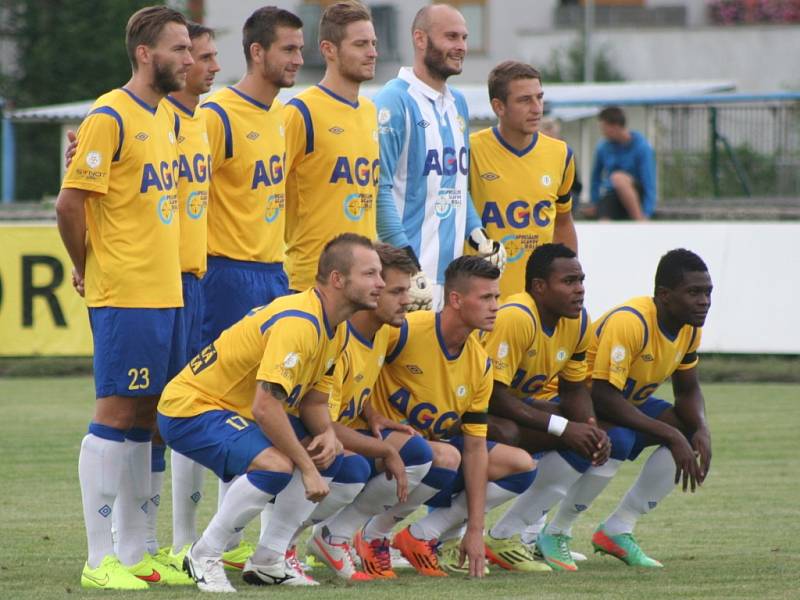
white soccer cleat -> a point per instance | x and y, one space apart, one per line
276 573
298 567
337 556
208 573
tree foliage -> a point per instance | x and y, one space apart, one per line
566 65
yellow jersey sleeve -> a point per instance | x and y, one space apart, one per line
98 144
292 343
217 138
295 135
577 367
507 343
690 359
474 420
564 201
621 337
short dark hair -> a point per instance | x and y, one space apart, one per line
506 72
145 26
261 27
336 17
674 264
613 115
540 262
196 30
337 255
466 267
393 257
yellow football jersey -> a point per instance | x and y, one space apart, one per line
629 349
127 159
526 356
332 176
422 385
193 181
518 193
288 342
247 204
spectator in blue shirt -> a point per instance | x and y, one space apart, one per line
623 183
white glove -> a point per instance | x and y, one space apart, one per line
421 293
491 250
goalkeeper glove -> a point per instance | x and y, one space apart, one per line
421 293
491 250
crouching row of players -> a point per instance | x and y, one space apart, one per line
413 397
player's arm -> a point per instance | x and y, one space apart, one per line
391 138
475 464
647 177
316 417
564 227
71 219
690 408
576 405
270 416
564 231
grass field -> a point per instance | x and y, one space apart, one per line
738 537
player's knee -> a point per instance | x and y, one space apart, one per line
508 460
355 469
622 440
271 459
268 481
445 456
620 179
416 451
504 431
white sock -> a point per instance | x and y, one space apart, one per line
531 532
655 482
156 485
187 490
381 525
378 495
243 501
553 478
266 515
223 488
100 465
340 496
133 503
581 495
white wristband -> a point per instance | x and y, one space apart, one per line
556 425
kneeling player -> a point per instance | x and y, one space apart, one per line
436 376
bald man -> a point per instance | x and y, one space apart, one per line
423 199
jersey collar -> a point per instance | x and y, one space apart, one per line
440 339
151 109
249 99
328 330
407 75
361 339
181 107
511 148
336 96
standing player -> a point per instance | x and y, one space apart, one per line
246 210
209 412
116 215
634 348
423 201
332 145
520 179
438 377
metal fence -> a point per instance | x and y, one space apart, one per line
749 148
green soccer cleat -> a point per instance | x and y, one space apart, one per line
449 555
624 547
511 554
555 551
110 575
166 556
149 569
235 558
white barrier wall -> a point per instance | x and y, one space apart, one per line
754 268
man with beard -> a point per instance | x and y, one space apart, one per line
116 215
240 406
246 211
423 202
332 145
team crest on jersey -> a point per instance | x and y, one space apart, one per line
618 354
275 204
515 250
93 159
253 136
546 180
447 201
461 124
290 360
561 355
381 360
196 204
281 130
383 116
461 391
489 176
329 364
205 137
502 350
167 206
171 137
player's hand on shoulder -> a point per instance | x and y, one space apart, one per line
490 249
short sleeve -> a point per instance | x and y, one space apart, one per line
690 359
564 201
99 144
292 342
620 340
514 332
299 132
577 368
220 136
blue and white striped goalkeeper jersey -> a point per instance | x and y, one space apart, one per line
423 197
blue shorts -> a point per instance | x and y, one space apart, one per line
444 497
191 319
231 288
220 440
653 408
135 349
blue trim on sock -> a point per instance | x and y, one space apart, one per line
107 433
157 462
334 468
269 482
518 482
575 460
622 440
416 451
355 469
139 434
439 477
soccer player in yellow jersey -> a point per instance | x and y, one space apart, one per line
246 212
332 144
633 349
438 379
117 217
240 408
519 178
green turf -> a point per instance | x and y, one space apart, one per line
735 538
